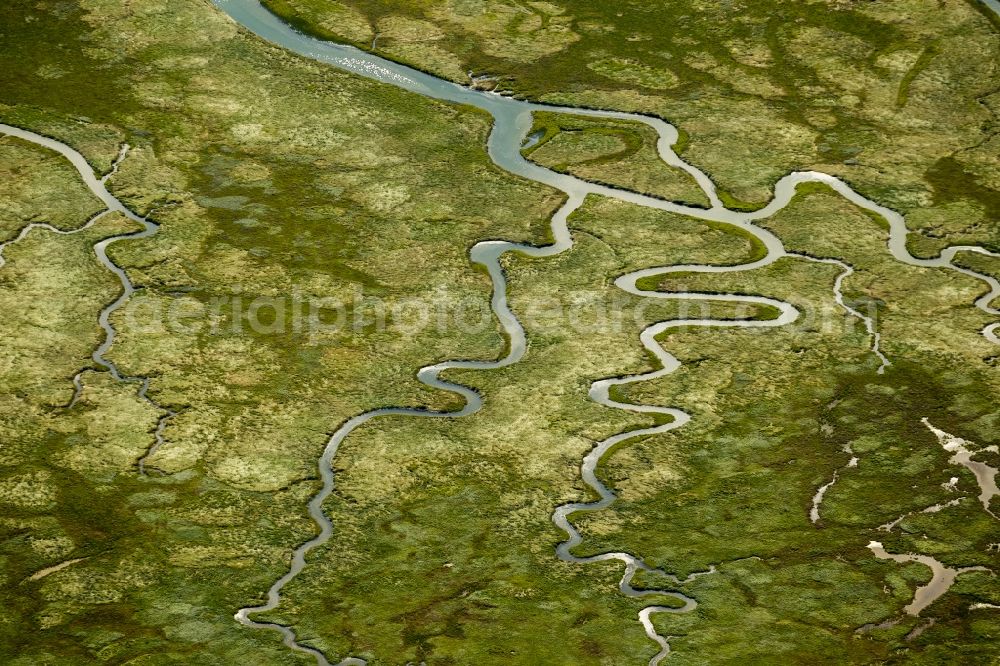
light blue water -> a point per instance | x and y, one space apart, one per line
512 121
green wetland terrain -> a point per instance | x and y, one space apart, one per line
499 332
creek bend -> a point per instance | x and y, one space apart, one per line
512 123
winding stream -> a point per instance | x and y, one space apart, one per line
98 186
942 577
814 513
512 122
846 271
986 476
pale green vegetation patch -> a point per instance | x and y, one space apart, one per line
634 72
618 153
40 186
278 181
303 183
899 97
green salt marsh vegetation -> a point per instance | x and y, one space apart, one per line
274 177
898 98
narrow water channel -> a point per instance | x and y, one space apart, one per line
512 122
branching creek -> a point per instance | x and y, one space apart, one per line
512 120
98 186
942 576
512 123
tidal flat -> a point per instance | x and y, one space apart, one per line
275 178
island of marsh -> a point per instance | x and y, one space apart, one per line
444 546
